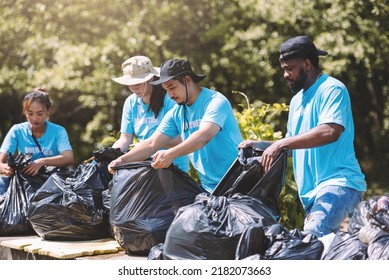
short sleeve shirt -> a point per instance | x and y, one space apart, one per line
138 120
214 159
53 142
326 101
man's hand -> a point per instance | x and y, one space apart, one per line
270 155
113 163
271 150
162 159
247 144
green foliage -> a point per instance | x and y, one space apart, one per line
108 141
256 122
193 173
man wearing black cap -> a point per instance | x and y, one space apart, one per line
320 134
202 117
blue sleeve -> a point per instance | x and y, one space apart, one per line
334 106
63 143
168 125
127 124
217 111
10 142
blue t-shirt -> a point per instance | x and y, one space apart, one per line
53 142
141 122
214 159
326 101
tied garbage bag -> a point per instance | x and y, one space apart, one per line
252 241
156 253
103 157
281 244
15 202
246 176
106 197
378 249
346 246
210 228
144 202
370 223
368 233
69 206
372 212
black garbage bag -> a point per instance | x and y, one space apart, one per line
277 243
292 245
252 241
246 176
346 246
370 222
359 217
372 212
378 214
15 202
69 207
106 196
368 232
103 157
378 248
144 202
211 227
156 253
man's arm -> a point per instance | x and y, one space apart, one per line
194 142
321 135
142 150
318 136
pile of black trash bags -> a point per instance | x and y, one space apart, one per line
367 237
165 214
57 203
239 220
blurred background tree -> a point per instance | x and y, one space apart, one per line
74 47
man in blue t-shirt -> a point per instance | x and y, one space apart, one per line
202 117
144 109
320 134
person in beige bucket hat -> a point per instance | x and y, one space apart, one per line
137 70
144 109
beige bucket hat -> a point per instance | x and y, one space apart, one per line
137 70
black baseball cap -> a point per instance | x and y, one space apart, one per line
175 67
299 47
